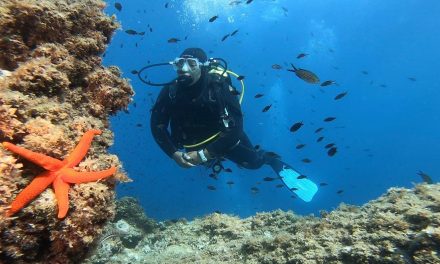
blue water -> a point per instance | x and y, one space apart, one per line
384 135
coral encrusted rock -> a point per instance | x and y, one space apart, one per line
53 88
400 227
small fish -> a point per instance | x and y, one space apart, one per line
234 3
141 33
258 95
339 96
166 5
301 55
277 67
412 79
255 189
319 130
365 72
134 72
279 185
229 170
332 151
150 29
329 82
383 86
319 139
266 108
306 160
329 119
186 37
323 184
340 191
301 177
173 40
268 179
296 126
131 32
240 77
229 183
139 125
212 188
214 176
212 19
234 32
426 178
118 6
249 1
305 75
329 145
294 189
300 146
225 37
257 147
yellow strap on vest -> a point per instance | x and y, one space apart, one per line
218 70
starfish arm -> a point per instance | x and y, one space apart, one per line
72 176
37 186
49 163
62 195
81 149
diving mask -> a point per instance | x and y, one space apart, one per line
186 64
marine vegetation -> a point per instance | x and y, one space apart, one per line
53 89
400 227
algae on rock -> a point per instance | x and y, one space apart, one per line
53 88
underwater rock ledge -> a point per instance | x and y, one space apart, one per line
400 227
53 88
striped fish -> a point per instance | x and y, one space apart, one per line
305 75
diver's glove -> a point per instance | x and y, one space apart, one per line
183 159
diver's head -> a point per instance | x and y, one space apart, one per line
189 65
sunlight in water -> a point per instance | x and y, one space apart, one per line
197 12
322 37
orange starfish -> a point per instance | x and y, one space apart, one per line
59 173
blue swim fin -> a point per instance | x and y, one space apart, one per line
303 187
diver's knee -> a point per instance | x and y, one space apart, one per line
252 165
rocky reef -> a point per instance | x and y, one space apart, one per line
53 88
400 227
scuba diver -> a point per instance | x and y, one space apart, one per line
202 109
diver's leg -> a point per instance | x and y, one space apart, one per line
274 162
245 155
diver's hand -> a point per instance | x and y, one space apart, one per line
195 157
181 161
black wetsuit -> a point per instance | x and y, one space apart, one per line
194 113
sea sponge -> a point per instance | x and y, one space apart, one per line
38 77
108 92
8 121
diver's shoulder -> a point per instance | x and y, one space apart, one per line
217 76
